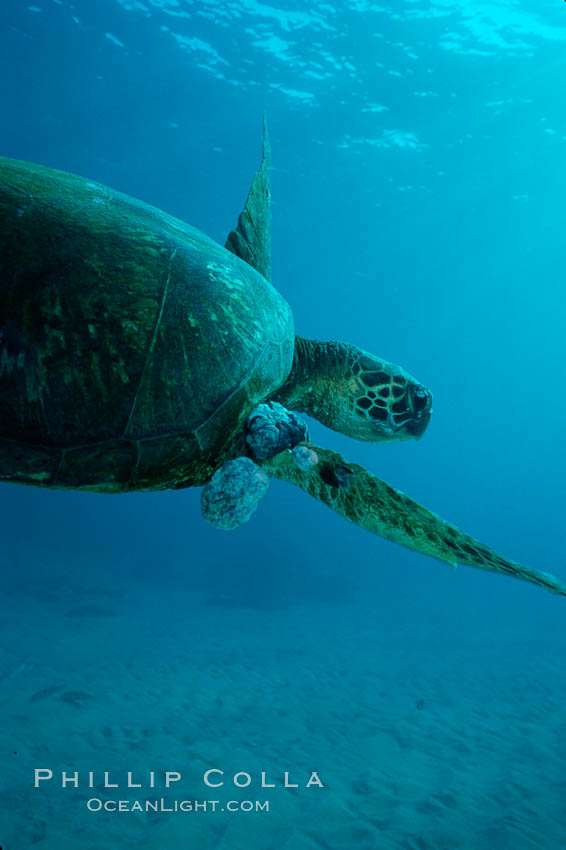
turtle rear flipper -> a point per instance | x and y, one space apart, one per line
361 497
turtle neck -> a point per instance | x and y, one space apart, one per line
311 385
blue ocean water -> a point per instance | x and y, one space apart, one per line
418 191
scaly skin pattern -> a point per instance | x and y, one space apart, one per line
361 497
354 393
132 346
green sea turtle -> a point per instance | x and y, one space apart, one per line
138 354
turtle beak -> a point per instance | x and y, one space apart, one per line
419 409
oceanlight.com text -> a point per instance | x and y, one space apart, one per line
95 804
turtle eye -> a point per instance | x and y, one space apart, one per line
420 400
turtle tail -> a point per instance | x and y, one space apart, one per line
361 497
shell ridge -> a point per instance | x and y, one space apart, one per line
151 345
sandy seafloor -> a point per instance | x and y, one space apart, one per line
427 737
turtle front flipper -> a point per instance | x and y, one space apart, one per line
361 497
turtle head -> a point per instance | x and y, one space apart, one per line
355 393
382 401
